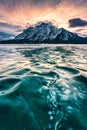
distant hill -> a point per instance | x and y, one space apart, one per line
6 36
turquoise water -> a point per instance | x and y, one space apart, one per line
43 87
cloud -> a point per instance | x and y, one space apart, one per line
27 12
77 22
82 31
11 4
40 2
6 27
77 2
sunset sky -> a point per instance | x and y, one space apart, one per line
15 15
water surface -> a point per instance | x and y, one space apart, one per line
43 87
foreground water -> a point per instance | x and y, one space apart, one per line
43 88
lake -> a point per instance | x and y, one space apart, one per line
43 87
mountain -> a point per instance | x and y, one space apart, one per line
5 36
47 33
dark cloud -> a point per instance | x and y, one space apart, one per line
9 28
45 2
77 22
7 25
78 2
11 4
8 4
19 31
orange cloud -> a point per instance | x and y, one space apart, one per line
25 15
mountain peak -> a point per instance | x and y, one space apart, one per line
46 32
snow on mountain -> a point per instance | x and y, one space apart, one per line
6 36
46 32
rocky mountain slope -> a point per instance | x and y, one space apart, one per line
47 33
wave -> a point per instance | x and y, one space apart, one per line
43 88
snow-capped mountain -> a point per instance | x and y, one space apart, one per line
6 36
47 33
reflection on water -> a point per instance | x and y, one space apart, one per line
43 88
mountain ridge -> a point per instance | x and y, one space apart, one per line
48 33
5 36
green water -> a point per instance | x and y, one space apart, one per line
43 88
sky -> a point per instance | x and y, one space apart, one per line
16 15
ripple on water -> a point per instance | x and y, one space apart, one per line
20 71
43 88
81 78
69 69
8 85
